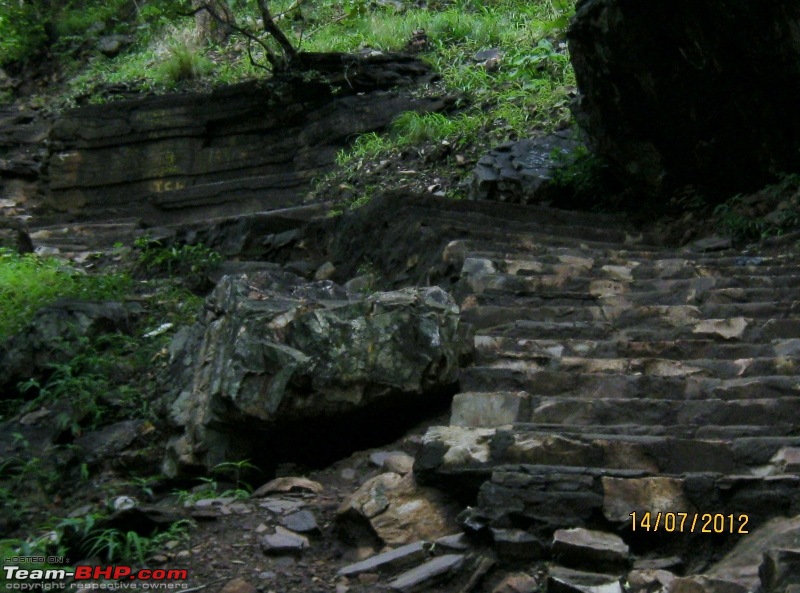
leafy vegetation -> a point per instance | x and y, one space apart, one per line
192 262
771 212
229 472
28 282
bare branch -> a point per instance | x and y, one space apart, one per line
272 58
269 25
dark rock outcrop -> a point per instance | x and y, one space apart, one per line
690 93
524 171
276 355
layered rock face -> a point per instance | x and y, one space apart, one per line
245 148
677 93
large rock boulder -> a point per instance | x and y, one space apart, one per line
700 93
277 355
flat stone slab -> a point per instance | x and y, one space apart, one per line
565 580
301 522
284 541
426 575
388 561
584 548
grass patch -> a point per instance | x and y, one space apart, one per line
29 282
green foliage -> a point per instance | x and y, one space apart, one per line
739 227
86 383
22 30
740 219
30 26
87 538
183 62
192 262
229 471
29 282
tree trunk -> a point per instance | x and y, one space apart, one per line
209 28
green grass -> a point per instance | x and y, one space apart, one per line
528 88
29 282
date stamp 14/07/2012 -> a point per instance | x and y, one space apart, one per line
719 523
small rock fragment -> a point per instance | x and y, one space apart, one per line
325 271
238 586
779 569
301 522
284 541
704 584
584 548
516 545
565 580
289 484
649 580
517 583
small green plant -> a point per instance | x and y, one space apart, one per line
229 471
193 262
86 537
739 227
183 61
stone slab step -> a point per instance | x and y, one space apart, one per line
87 235
548 497
509 211
452 450
504 288
508 215
534 361
488 345
550 383
508 255
472 238
684 431
731 319
496 245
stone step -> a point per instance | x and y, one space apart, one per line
730 320
498 246
544 498
529 226
455 449
538 259
784 332
88 235
571 292
625 387
472 238
508 211
489 345
583 286
682 431
533 361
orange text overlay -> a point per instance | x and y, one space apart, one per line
690 522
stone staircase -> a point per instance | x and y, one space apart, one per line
612 375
